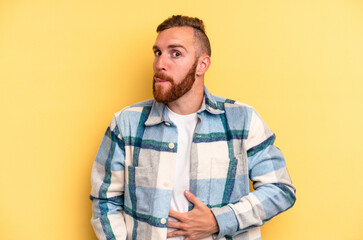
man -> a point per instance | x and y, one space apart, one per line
178 166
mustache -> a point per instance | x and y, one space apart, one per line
164 77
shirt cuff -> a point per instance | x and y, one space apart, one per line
227 221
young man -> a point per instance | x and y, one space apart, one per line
178 166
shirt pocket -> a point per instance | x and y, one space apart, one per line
141 187
222 182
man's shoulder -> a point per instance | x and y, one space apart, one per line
236 112
230 103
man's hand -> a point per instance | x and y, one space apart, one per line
195 224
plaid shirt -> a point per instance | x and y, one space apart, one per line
132 176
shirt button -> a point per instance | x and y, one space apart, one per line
163 221
167 124
171 145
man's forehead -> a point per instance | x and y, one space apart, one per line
175 36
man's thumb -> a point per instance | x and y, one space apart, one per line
191 198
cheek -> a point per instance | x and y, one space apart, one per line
182 72
179 77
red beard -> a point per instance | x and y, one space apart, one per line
176 90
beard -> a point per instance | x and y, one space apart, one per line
176 90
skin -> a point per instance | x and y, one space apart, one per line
175 53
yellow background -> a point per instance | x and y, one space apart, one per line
66 66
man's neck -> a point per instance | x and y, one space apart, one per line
190 102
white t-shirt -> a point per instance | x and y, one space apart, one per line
186 126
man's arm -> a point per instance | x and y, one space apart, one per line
274 192
108 186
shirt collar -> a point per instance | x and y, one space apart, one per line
158 112
210 104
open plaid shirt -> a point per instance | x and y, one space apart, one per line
132 176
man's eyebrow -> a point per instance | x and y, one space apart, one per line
171 46
177 46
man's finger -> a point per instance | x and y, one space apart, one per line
173 224
191 198
177 215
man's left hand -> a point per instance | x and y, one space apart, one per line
195 224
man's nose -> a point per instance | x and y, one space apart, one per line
160 63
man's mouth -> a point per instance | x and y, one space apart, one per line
159 80
162 78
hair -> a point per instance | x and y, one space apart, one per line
185 21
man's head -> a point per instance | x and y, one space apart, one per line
182 56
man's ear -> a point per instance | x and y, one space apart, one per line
203 65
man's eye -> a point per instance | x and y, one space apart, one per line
176 54
157 53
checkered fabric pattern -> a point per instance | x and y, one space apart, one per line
132 176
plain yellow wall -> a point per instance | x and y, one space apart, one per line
66 66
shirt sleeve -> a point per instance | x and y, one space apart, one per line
274 192
107 181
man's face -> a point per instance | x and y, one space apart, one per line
175 63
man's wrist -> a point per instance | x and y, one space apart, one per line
227 221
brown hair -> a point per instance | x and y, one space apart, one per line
195 23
